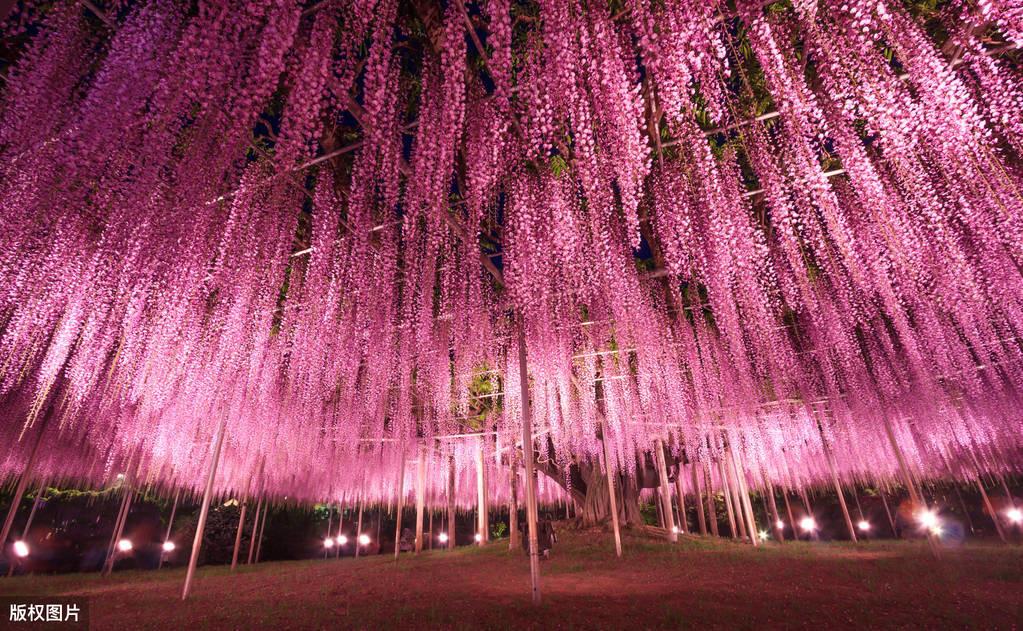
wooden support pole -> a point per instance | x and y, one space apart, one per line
340 525
745 506
788 511
962 506
481 499
513 504
888 512
430 530
401 508
698 494
841 496
779 531
255 526
358 529
170 524
35 507
19 490
856 499
451 502
204 510
726 489
712 512
28 522
659 505
991 510
262 531
680 494
420 497
330 523
665 491
738 495
238 534
122 516
1008 494
916 496
610 472
530 464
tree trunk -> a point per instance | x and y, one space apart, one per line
595 499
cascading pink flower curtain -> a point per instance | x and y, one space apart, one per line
775 226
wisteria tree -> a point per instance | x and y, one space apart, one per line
781 239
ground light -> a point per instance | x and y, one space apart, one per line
478 537
1015 515
342 540
808 524
125 545
674 529
442 537
168 546
21 548
328 543
364 540
929 520
763 535
864 525
780 524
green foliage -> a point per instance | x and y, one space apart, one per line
558 165
484 398
497 530
649 514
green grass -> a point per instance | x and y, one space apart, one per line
696 583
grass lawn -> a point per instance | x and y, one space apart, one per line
698 583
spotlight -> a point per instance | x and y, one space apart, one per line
674 529
328 543
478 537
364 540
780 524
342 540
864 525
763 535
1015 515
808 524
168 546
124 545
442 537
21 548
929 520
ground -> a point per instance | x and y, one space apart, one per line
698 583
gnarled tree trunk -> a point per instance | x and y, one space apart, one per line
588 489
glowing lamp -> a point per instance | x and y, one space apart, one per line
1015 515
864 525
674 529
763 535
168 546
442 537
478 537
364 540
929 520
328 543
21 548
124 545
342 540
808 524
780 524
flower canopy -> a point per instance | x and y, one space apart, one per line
793 229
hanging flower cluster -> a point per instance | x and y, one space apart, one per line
788 238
